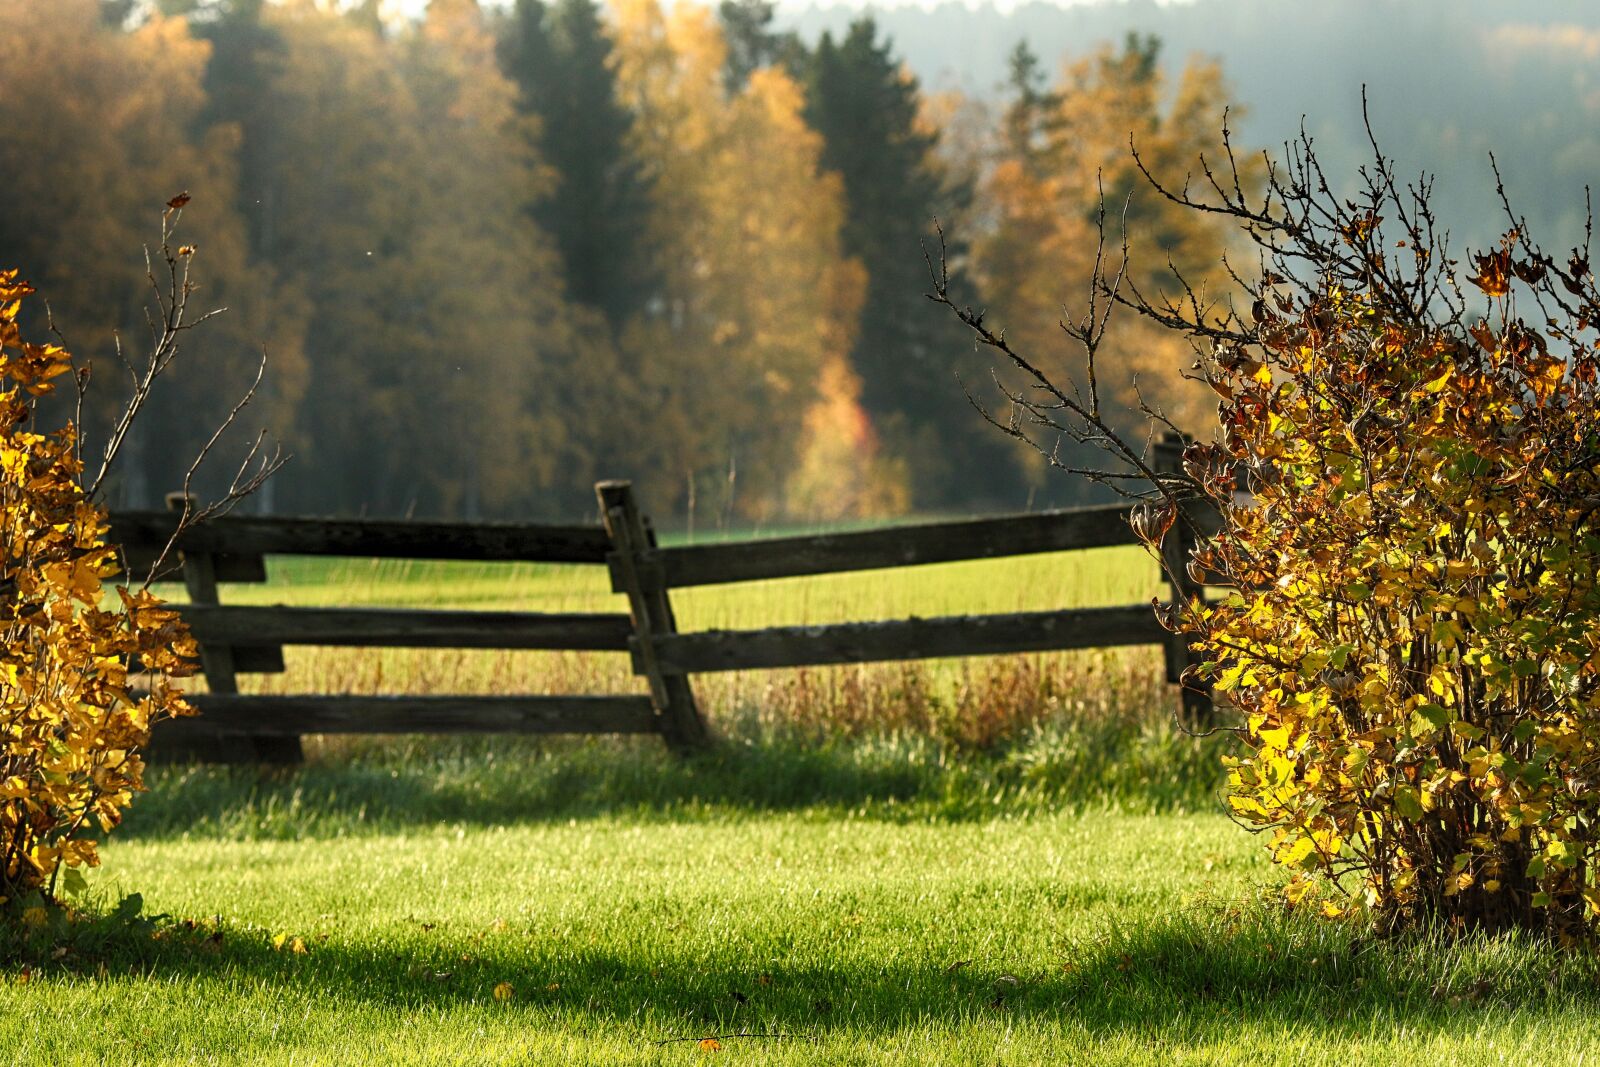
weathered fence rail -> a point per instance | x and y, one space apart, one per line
239 639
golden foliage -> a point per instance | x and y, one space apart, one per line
1063 150
759 294
1413 637
71 721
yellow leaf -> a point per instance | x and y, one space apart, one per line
1297 853
1296 890
1277 738
504 991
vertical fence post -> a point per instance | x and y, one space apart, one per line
636 572
1175 551
216 662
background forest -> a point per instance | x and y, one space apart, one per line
497 251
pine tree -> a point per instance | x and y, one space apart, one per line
753 43
559 57
867 109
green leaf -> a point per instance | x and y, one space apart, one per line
1434 715
1408 803
73 883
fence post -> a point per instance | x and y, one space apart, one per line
636 572
216 662
1175 551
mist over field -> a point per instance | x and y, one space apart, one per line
1448 82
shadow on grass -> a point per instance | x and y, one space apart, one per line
1189 978
484 782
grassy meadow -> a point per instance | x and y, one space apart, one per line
1013 861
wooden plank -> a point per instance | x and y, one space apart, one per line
291 716
899 546
229 566
1176 549
258 659
398 628
217 659
245 535
651 612
901 639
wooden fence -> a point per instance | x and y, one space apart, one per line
236 639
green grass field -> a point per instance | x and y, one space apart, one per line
846 890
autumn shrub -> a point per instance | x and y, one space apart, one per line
1406 466
1413 630
72 721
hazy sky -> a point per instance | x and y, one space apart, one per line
413 7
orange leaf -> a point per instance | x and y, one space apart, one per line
1494 273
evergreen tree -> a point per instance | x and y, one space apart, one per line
753 43
867 110
559 57
1031 102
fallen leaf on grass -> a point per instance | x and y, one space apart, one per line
710 1044
295 945
504 991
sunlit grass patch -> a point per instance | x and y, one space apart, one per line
1089 937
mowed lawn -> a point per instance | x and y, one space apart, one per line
1076 897
1082 937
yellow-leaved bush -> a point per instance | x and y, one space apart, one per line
72 721
1412 625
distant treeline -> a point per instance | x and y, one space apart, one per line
499 253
